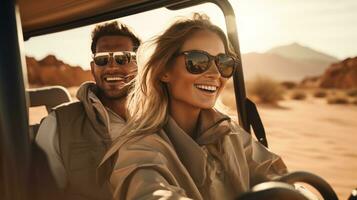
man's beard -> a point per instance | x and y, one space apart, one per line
115 94
112 92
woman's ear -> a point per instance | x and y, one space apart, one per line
165 78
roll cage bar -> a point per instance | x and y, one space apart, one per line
14 138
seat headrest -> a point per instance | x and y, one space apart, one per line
48 96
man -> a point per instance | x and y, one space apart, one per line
75 136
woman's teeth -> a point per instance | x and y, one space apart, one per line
208 88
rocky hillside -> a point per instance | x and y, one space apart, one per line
51 71
342 75
339 75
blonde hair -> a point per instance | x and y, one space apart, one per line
148 100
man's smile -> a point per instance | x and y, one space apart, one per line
114 78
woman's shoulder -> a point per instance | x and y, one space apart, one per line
146 148
239 134
236 129
151 141
232 120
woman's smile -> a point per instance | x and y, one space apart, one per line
207 88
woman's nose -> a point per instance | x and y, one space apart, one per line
213 71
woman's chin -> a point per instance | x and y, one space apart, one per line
206 106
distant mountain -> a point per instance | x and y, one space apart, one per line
51 71
301 53
291 62
277 67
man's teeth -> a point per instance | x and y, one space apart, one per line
114 78
207 87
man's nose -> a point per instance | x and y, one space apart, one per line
111 62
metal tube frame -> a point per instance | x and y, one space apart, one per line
14 137
224 5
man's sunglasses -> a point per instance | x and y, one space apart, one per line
120 57
197 62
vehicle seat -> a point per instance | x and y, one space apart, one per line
43 185
49 97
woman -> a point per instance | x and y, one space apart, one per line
175 143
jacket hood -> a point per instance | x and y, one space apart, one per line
95 110
211 127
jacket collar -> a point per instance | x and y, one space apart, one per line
96 112
212 125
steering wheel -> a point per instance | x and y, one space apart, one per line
281 188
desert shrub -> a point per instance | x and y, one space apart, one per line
337 100
354 101
352 92
265 90
333 92
320 94
298 95
288 84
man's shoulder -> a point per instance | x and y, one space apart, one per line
69 111
74 105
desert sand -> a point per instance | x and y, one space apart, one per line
314 136
310 135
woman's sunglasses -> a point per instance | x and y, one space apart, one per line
198 61
120 57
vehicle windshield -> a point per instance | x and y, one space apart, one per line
299 63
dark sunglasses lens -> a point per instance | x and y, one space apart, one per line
122 59
226 65
197 62
101 60
133 58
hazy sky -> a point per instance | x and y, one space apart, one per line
329 26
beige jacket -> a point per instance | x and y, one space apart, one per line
75 137
221 163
